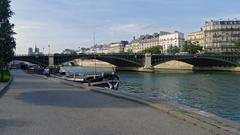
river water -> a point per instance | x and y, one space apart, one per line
214 92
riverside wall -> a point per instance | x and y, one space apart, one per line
229 69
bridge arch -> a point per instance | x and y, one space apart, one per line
116 61
41 61
199 61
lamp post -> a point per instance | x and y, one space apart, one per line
43 50
94 43
48 50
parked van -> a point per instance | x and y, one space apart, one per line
182 53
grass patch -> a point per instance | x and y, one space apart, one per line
6 76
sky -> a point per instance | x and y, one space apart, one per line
71 23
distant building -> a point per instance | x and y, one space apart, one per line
30 51
134 46
163 39
98 49
82 50
148 41
221 33
197 37
117 47
35 52
69 51
101 49
218 35
171 40
128 48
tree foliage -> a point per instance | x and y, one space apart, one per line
237 43
191 47
173 50
7 41
153 50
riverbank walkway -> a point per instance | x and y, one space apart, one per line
37 106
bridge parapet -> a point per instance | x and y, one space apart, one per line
200 60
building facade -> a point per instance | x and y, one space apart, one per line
149 41
117 47
175 39
98 49
218 35
69 52
197 37
35 51
163 39
30 51
221 33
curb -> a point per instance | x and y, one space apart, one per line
211 127
5 88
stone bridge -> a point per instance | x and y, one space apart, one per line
137 60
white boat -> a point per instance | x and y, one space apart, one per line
106 80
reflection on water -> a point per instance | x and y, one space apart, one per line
215 92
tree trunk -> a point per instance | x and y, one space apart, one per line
2 75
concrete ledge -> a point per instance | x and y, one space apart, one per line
6 87
138 69
228 69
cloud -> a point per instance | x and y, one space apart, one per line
43 33
30 25
129 28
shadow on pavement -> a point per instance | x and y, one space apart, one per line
74 99
5 124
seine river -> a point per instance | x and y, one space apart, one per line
214 92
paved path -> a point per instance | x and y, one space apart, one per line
2 85
34 106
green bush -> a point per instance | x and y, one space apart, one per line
153 50
237 43
5 76
191 47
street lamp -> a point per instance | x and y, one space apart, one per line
49 50
95 63
43 51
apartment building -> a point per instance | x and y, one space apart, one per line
197 37
171 40
117 47
218 35
163 39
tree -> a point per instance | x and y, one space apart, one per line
191 47
237 43
173 49
7 41
153 50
